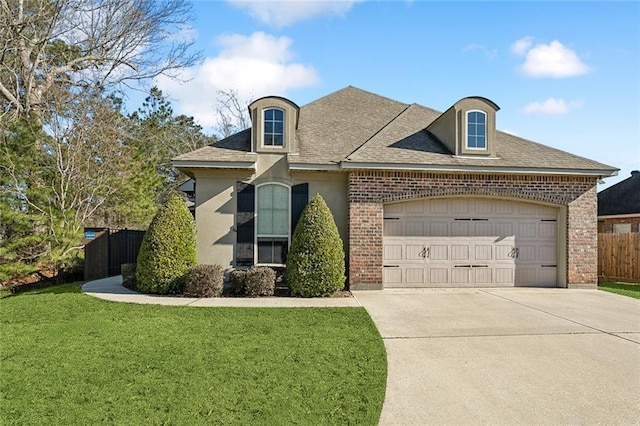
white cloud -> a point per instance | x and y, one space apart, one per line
519 47
548 60
253 66
282 13
552 106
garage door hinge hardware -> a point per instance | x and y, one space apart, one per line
514 253
391 218
547 220
472 219
390 266
549 266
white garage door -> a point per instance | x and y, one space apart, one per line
469 242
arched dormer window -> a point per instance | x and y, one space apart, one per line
273 132
274 121
476 130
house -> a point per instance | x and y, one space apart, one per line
421 198
619 206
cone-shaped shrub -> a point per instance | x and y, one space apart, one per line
315 263
168 250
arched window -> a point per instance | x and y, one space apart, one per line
476 130
272 223
273 134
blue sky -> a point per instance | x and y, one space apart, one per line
565 74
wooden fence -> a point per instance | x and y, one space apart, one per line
619 257
108 249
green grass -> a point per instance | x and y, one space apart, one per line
67 358
631 290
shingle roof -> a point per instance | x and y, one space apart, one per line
358 127
621 198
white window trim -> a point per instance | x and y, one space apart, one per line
255 234
284 128
466 130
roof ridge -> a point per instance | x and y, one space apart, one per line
378 131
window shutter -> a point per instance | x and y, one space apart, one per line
245 223
299 199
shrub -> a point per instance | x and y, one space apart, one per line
204 281
128 271
315 263
255 282
237 281
260 281
168 249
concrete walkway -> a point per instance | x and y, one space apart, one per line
111 289
508 356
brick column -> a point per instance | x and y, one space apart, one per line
365 245
582 241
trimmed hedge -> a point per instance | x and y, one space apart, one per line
204 281
258 281
168 249
315 262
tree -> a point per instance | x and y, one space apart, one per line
232 112
168 250
86 44
315 262
53 182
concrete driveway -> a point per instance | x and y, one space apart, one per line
508 356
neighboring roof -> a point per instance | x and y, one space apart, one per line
353 128
621 198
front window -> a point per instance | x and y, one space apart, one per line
273 127
476 130
273 223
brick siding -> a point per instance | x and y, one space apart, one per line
369 190
606 225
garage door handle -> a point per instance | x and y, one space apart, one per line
390 266
424 253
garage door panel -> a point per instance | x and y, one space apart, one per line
392 277
483 276
470 242
460 275
459 252
438 252
414 228
414 275
393 252
439 275
484 252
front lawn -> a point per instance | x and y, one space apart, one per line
68 358
631 290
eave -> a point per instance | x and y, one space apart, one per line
346 165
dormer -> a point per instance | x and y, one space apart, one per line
274 121
468 128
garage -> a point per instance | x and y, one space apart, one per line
469 242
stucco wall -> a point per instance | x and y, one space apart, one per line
216 203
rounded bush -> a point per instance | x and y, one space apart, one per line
259 282
204 281
168 249
315 262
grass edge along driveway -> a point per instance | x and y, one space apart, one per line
625 289
67 358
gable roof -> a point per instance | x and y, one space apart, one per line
353 128
621 198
